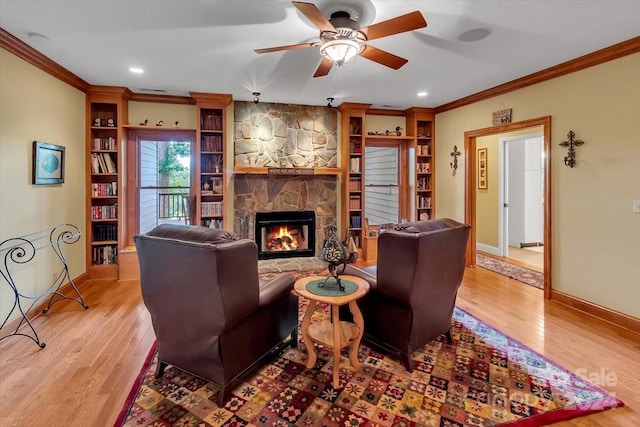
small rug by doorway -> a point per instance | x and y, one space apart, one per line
485 378
521 274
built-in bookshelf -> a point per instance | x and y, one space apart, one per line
106 112
420 124
211 164
353 140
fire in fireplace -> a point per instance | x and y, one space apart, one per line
285 234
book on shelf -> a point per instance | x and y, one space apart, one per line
104 212
211 208
105 144
211 143
211 121
423 150
354 165
102 163
104 189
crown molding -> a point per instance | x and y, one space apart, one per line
162 99
598 57
32 56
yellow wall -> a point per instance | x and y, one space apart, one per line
487 207
168 113
36 106
376 123
596 237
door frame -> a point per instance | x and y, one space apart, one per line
470 187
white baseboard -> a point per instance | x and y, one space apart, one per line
488 249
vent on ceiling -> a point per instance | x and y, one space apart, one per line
152 90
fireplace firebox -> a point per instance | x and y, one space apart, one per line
285 234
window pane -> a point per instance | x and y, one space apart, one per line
165 178
381 192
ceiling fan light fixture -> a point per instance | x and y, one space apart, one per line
341 51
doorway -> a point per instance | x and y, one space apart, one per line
471 186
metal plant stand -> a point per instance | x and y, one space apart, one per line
22 250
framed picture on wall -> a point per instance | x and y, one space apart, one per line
48 163
483 180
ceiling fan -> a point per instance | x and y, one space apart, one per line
342 39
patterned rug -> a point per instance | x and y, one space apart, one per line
484 379
521 274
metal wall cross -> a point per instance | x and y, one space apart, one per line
455 153
570 158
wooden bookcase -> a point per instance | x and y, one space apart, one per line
107 112
210 177
352 155
421 126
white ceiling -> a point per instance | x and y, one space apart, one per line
208 45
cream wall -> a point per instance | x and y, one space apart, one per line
377 123
168 113
596 237
36 106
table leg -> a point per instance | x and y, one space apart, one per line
304 330
358 320
336 344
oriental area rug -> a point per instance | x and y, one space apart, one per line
516 272
484 378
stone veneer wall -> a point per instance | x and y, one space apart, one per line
284 135
267 193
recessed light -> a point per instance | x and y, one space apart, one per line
422 93
474 35
136 70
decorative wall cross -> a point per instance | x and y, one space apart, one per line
455 153
570 158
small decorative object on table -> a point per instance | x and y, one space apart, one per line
335 252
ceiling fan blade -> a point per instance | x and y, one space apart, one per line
289 47
400 24
323 68
314 14
383 57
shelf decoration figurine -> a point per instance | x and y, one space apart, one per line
176 124
335 253
146 122
160 123
570 158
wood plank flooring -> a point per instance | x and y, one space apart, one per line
93 356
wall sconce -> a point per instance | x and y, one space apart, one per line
256 97
330 103
570 158
455 153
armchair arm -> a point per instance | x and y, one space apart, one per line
355 271
275 288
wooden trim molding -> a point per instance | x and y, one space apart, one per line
163 99
598 57
611 316
32 56
208 98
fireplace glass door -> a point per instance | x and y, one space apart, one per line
285 234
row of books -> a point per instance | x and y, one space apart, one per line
211 208
103 232
355 221
104 189
423 183
355 202
105 144
211 143
355 184
209 121
107 254
423 150
423 167
102 163
354 165
104 212
355 147
424 202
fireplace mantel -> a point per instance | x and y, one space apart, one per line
285 171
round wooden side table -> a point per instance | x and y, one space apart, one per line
333 333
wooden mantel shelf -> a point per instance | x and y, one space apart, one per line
285 171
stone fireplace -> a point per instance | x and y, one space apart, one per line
286 137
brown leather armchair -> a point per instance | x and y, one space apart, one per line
412 296
211 316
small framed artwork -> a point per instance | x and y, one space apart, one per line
482 169
48 163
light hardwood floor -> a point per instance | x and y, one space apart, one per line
92 356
